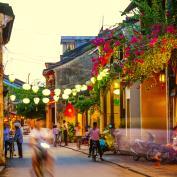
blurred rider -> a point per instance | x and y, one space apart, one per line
38 136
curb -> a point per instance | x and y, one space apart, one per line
115 163
2 169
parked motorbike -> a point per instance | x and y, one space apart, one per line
141 148
109 141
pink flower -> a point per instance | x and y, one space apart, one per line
98 41
117 43
153 42
127 54
121 36
127 49
134 40
171 29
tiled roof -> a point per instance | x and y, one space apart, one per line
17 83
69 56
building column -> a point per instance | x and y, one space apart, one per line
102 113
2 159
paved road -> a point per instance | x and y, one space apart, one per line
68 164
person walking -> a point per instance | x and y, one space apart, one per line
55 135
78 134
59 134
19 139
65 132
6 138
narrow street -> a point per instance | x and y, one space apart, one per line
68 164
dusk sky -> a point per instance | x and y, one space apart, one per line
39 24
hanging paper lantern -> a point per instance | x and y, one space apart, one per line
57 92
46 92
106 71
36 100
117 91
83 88
67 91
74 92
88 83
69 111
45 100
26 100
35 88
99 77
56 98
11 78
65 97
12 97
26 87
78 88
93 80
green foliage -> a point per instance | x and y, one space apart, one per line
85 104
28 110
71 132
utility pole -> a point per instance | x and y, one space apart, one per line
2 159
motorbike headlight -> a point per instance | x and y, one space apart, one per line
45 145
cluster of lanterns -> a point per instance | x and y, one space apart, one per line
57 92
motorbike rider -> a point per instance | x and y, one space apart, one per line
38 136
94 137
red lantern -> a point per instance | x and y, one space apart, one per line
69 111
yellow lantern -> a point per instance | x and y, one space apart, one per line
162 78
67 91
26 87
36 100
26 100
56 98
117 91
83 88
65 97
35 88
57 92
93 80
46 92
78 87
99 77
11 78
45 100
12 97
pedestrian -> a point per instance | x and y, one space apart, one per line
19 139
94 137
78 134
55 135
59 134
6 138
65 132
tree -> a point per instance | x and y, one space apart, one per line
30 110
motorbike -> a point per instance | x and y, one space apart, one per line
41 154
141 148
109 141
94 151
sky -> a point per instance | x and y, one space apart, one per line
39 24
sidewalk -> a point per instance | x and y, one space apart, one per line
2 168
142 166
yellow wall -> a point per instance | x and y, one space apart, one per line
153 101
116 113
108 107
